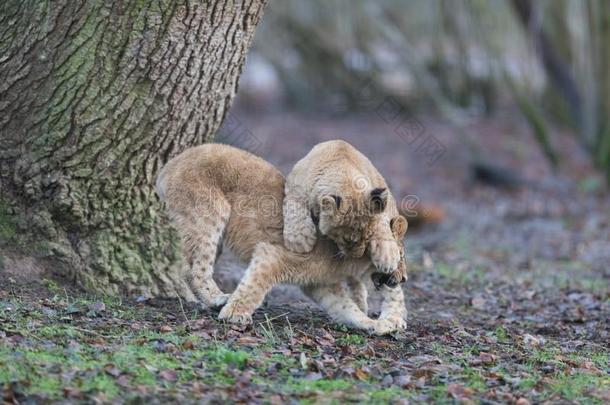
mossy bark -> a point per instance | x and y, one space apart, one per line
94 97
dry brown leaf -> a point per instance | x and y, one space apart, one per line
248 340
112 370
460 392
70 392
483 358
168 374
478 302
360 374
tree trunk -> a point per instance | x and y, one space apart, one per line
95 95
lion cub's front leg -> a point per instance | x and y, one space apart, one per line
263 272
299 229
385 247
393 308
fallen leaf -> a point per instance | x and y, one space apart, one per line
168 374
483 358
306 341
70 392
314 376
51 313
533 341
112 370
248 340
478 302
97 307
425 359
276 400
123 381
198 387
199 324
402 380
326 339
360 374
459 392
72 309
424 372
303 360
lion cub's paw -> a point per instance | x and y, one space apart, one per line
387 326
301 239
215 301
383 327
385 255
399 323
230 314
219 300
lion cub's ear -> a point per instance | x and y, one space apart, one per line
330 202
379 199
399 226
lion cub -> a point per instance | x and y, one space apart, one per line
338 189
217 192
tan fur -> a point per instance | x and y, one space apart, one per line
335 183
215 192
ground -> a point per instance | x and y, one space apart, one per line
508 296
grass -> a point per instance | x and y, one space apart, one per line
237 358
576 387
462 276
350 339
57 348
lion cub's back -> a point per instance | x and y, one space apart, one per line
210 175
220 167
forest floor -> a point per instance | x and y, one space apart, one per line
508 296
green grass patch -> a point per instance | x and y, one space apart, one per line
222 355
458 275
350 339
577 387
325 385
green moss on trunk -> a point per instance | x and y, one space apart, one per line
95 97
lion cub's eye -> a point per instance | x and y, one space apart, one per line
352 239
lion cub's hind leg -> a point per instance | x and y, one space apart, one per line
336 300
201 238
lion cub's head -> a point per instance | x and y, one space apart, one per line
347 219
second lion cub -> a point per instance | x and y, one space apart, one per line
338 189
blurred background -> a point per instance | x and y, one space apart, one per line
489 119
